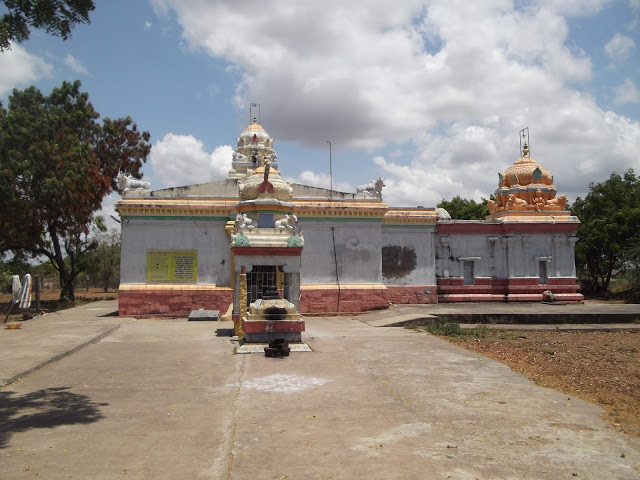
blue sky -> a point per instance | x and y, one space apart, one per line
429 95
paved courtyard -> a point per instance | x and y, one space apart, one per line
168 399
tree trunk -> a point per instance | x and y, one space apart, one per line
66 291
609 272
593 273
66 279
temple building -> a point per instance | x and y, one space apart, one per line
327 251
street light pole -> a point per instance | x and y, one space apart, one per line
330 174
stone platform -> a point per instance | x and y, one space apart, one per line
204 315
259 347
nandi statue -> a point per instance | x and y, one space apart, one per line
272 157
374 187
126 183
443 214
238 157
289 221
242 221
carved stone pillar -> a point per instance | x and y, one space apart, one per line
242 299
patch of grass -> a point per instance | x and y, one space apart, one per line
480 331
452 329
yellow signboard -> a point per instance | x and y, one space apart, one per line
172 265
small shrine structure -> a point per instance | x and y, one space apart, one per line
265 245
524 248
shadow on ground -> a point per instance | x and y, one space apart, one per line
47 408
224 332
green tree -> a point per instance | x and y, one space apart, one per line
462 209
56 17
103 263
57 163
12 264
633 262
609 230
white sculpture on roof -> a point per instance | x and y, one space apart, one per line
127 183
373 188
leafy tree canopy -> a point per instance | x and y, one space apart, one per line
609 234
462 209
56 17
57 163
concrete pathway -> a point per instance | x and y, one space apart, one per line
46 339
167 399
537 313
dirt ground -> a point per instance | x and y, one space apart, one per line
600 367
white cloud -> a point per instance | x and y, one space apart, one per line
74 64
147 25
451 81
366 74
19 67
322 180
181 160
619 47
626 92
574 7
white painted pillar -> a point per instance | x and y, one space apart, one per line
445 253
526 261
572 251
508 245
558 240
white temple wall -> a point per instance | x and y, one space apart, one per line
408 256
485 251
357 252
505 256
207 237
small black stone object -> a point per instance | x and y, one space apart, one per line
278 348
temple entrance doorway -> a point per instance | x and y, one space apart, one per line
258 278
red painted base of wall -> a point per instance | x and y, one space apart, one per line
171 303
272 326
325 300
507 290
412 295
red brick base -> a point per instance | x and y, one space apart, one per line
412 295
147 301
324 300
171 303
507 290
